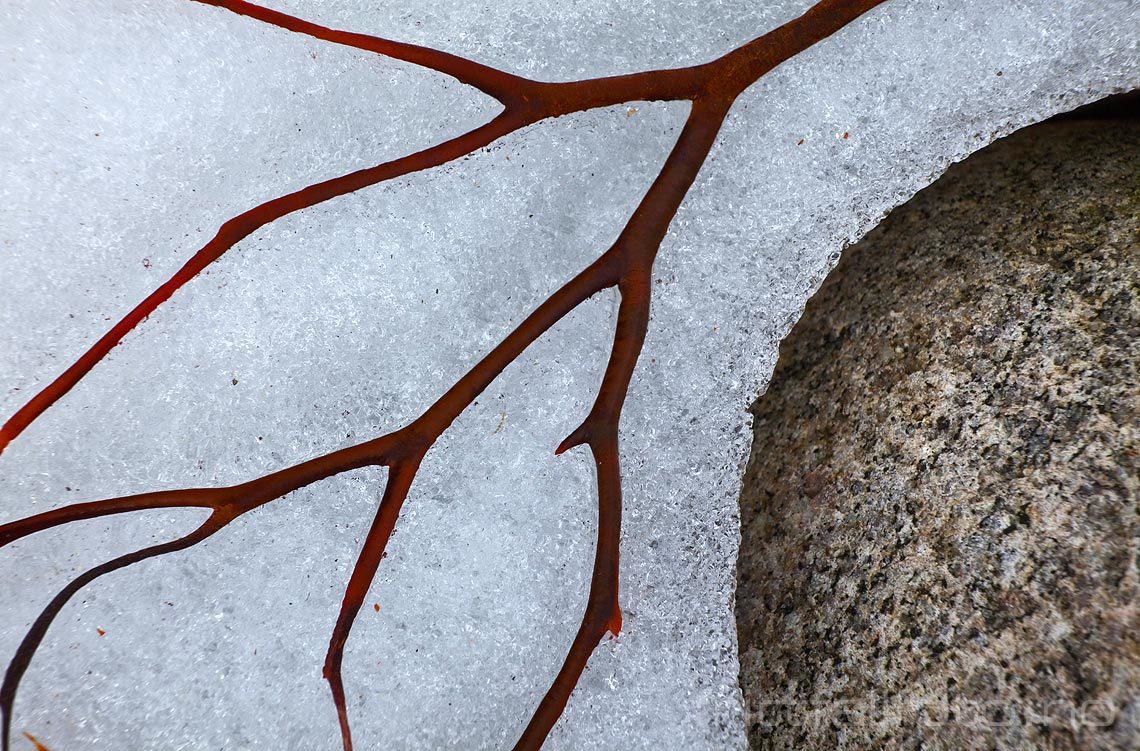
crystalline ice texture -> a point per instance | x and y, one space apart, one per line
130 131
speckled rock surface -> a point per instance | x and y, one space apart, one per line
940 516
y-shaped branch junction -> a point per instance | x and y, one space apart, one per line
711 88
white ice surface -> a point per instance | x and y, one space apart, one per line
130 130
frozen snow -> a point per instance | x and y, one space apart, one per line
130 131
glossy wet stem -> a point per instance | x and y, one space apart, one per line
627 265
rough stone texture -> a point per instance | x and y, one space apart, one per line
940 516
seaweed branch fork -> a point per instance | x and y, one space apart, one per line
627 265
